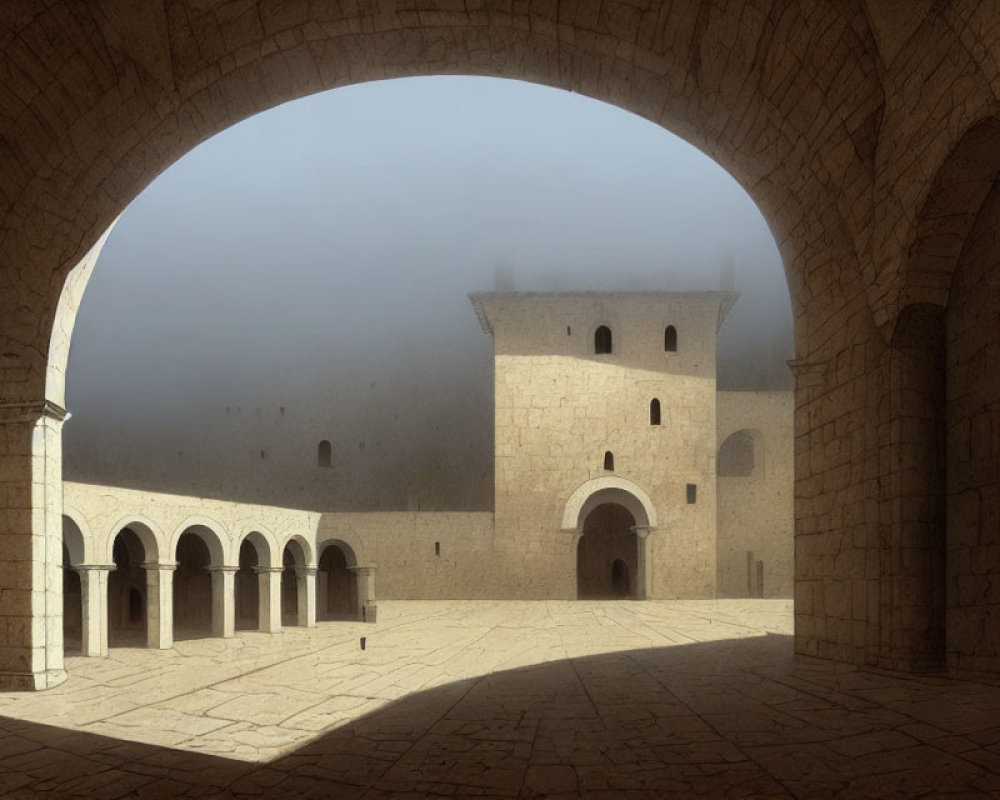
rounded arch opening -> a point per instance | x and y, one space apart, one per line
670 339
942 228
197 549
648 341
294 558
506 64
131 547
324 453
336 583
603 343
301 550
209 533
626 340
741 455
261 545
610 489
255 551
69 189
144 532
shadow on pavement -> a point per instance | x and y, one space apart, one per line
740 718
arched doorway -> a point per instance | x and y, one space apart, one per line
613 517
193 593
607 554
127 591
246 586
293 560
336 585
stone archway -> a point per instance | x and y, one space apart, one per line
618 517
293 562
134 598
128 600
609 489
336 585
192 588
791 99
148 85
255 554
202 596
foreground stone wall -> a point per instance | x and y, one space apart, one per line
756 494
973 448
836 492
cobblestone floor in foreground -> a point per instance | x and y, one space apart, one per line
513 699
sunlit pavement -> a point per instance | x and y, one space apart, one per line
511 699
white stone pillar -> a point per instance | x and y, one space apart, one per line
32 396
643 579
270 598
94 593
305 584
223 601
31 624
367 609
160 604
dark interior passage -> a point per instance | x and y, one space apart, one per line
127 592
247 587
289 585
336 586
606 556
192 588
72 606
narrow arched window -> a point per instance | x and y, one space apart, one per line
602 339
654 411
670 339
324 454
609 461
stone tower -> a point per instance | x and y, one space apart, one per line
605 437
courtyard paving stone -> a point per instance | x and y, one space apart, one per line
513 699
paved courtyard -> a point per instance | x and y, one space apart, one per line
512 699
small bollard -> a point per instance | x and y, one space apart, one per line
363 638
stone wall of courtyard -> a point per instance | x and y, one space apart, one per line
422 555
756 520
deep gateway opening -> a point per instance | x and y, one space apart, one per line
607 555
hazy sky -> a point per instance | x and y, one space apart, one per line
309 267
